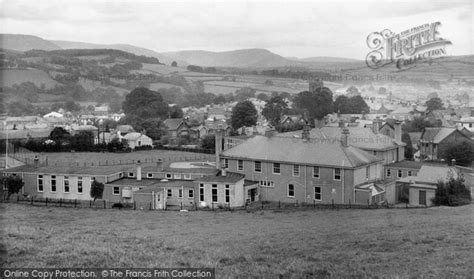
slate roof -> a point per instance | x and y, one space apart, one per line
134 136
230 177
436 135
295 150
73 170
123 129
431 174
150 183
406 165
173 123
359 137
25 133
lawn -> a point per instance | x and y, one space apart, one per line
398 243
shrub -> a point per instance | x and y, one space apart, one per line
453 192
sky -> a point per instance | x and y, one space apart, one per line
291 29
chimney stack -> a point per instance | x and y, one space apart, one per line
376 125
139 170
159 164
398 131
218 146
306 132
344 137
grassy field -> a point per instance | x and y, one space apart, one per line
398 243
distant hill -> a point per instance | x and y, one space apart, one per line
325 59
242 58
124 47
25 42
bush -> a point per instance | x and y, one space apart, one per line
452 193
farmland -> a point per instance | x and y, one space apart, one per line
434 242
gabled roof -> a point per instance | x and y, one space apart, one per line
432 174
134 136
173 123
438 134
359 137
297 151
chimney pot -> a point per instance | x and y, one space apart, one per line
344 137
139 170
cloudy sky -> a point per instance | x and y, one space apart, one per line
300 29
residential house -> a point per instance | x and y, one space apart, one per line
135 139
435 142
305 169
176 128
421 189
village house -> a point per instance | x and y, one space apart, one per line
305 169
435 142
176 128
135 139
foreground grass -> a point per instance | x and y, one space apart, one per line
433 242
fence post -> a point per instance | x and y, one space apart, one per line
332 202
46 201
279 205
32 199
60 202
350 206
75 203
150 205
212 206
105 204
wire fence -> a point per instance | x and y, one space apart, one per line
251 207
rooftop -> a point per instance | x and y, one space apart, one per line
406 165
173 123
431 174
295 150
230 177
73 170
151 183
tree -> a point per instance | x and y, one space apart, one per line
274 110
243 114
174 64
262 97
245 93
453 192
341 105
352 91
462 152
13 183
145 103
176 112
409 147
268 82
434 104
153 128
318 103
59 134
97 189
359 106
208 142
219 100
72 106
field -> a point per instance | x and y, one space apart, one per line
398 243
17 76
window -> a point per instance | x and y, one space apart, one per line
131 174
116 190
187 176
191 193
40 183
226 163
66 184
409 173
227 193
296 170
367 172
177 176
214 192
291 190
79 184
201 192
180 193
337 174
267 183
389 173
316 172
170 193
276 168
168 175
149 175
258 166
317 193
240 165
399 174
53 183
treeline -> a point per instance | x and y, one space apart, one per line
115 53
